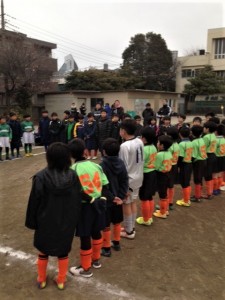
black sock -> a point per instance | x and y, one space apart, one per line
7 151
30 148
26 148
106 248
116 243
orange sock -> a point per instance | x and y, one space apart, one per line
96 249
170 195
198 191
163 206
220 181
116 232
106 235
85 258
42 267
215 184
208 187
63 268
152 208
186 194
145 209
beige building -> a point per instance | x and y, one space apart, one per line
214 55
131 100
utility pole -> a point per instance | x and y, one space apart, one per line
2 15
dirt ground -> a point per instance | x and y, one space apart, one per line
180 258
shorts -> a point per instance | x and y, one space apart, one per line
220 164
162 184
28 138
173 176
149 186
4 142
114 215
133 195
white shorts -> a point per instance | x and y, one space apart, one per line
133 195
28 138
4 142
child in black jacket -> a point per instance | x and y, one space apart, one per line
116 172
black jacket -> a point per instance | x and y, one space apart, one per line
16 130
115 131
147 114
53 210
116 172
103 130
44 129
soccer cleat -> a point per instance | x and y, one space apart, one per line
129 236
94 157
106 253
79 271
194 199
60 286
27 154
7 158
222 188
42 285
216 192
88 157
96 264
171 206
31 154
158 214
208 197
182 203
115 245
141 221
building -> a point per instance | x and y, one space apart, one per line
68 66
214 55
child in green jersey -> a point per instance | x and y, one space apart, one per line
199 157
28 134
5 137
148 188
163 167
92 216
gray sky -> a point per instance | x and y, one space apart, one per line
86 29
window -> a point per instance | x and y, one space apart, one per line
188 73
219 48
220 74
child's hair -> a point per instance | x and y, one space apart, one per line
115 115
77 148
26 116
89 115
11 114
44 111
173 133
150 119
223 122
71 117
104 110
184 132
166 118
67 112
129 126
210 114
197 130
211 126
58 157
183 116
197 119
80 117
166 141
54 114
220 129
149 134
111 147
137 118
215 120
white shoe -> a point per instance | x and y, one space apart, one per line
222 188
94 157
79 271
88 157
125 235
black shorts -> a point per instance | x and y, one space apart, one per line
211 166
173 176
162 184
198 170
91 221
220 164
149 186
185 174
114 215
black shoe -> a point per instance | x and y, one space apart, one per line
115 245
171 206
194 199
7 158
106 253
1 159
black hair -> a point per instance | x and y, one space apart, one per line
67 112
115 115
125 115
215 120
183 116
166 141
211 126
44 112
184 132
220 129
89 115
149 134
150 119
54 114
111 147
148 104
71 117
26 116
197 130
11 114
167 118
77 148
197 119
58 157
210 114
104 110
80 117
129 126
173 133
137 118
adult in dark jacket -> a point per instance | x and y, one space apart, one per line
16 134
97 111
43 129
115 128
56 129
53 211
90 136
164 111
147 114
118 109
103 129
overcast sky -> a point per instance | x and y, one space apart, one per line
95 32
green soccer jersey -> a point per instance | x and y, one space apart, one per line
91 176
199 149
175 150
210 142
150 152
186 150
220 146
27 126
5 131
163 161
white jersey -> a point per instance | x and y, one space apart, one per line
132 154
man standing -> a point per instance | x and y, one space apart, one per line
164 111
147 114
43 129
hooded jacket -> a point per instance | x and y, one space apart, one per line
53 210
116 172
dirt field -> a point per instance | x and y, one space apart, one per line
181 258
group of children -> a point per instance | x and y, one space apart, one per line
86 198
